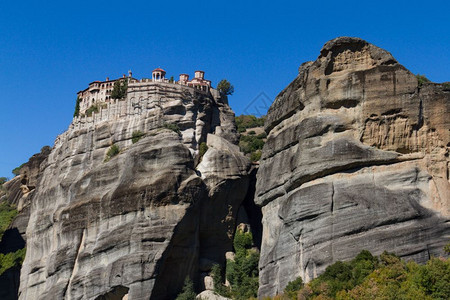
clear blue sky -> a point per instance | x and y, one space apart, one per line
49 50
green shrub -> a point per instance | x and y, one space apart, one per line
12 259
7 214
386 277
447 249
250 143
256 155
187 292
202 149
92 109
421 79
293 287
136 136
244 122
172 126
112 151
262 135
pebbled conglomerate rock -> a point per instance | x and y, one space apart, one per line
356 158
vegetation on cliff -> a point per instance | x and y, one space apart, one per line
202 149
241 272
76 113
136 136
7 214
188 292
92 109
2 188
225 88
119 89
243 122
16 171
371 277
112 151
12 259
172 126
252 137
421 79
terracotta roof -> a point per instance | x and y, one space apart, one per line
159 69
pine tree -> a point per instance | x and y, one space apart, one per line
120 89
77 107
187 293
225 88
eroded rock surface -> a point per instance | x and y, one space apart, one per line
356 158
134 224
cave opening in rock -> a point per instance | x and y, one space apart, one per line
119 292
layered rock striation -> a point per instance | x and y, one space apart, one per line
137 223
357 157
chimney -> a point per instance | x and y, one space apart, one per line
123 76
107 78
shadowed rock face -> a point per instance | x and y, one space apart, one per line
134 225
19 192
356 158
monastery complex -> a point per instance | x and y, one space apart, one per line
99 92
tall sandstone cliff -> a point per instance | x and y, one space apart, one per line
137 224
357 157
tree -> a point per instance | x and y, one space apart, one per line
219 287
16 171
293 287
3 180
77 107
187 293
225 88
242 273
120 89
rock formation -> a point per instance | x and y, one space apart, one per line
128 203
19 192
356 158
136 224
